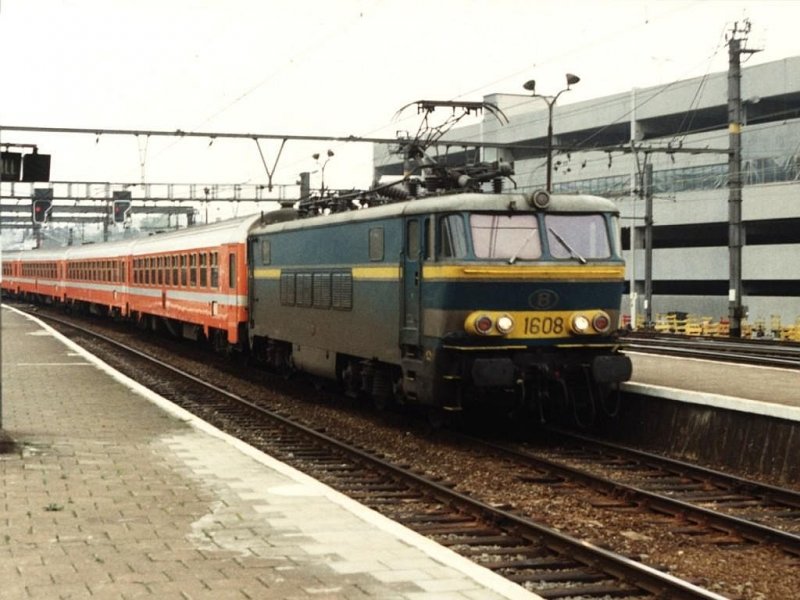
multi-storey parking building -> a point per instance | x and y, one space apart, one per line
690 201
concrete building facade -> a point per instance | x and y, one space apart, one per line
668 124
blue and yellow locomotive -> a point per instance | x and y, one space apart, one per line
445 300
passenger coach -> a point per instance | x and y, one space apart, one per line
192 281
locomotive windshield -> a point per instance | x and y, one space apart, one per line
577 236
515 237
506 236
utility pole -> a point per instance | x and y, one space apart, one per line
736 311
647 185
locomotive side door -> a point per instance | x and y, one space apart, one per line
412 274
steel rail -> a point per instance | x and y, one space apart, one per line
749 530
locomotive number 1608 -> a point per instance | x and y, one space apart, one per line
544 326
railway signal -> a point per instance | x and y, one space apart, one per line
121 206
122 209
41 206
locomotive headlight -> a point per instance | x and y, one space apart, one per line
601 322
483 324
580 324
504 324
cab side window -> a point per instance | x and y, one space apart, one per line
452 237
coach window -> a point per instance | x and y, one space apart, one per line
232 271
376 243
153 269
203 269
214 270
183 270
175 270
193 270
160 270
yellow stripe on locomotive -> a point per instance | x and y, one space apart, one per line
538 324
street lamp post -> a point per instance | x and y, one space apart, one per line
550 100
315 156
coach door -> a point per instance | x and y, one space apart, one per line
412 275
232 281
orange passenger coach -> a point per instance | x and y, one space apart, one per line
192 281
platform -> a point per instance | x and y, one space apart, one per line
765 391
113 492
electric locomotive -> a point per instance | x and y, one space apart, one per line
445 300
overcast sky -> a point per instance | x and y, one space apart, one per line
327 67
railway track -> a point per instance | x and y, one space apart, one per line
764 353
547 562
722 508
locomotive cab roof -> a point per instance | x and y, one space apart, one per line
466 202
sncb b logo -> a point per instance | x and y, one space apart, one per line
543 299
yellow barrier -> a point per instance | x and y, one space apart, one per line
706 326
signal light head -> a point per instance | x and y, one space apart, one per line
504 324
601 322
483 324
580 324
